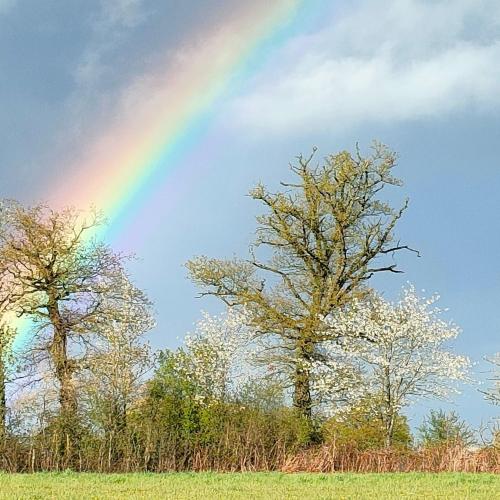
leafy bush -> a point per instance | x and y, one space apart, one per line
363 429
441 428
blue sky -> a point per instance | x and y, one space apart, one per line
420 76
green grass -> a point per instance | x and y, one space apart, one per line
249 486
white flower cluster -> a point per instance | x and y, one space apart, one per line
217 352
394 351
119 355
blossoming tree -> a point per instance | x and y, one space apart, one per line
217 353
400 350
118 357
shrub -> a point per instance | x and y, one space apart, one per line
441 428
363 429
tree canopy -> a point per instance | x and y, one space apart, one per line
322 238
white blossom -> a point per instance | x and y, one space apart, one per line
218 351
398 350
119 357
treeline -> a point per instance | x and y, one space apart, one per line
309 367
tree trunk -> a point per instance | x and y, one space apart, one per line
389 430
115 431
302 399
64 369
389 416
302 392
3 402
64 373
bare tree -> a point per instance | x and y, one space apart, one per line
324 234
492 394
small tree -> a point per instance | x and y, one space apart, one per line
117 360
441 428
402 350
363 427
324 235
493 393
182 411
204 374
215 357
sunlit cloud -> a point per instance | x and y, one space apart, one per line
410 60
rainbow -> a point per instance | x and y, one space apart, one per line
162 116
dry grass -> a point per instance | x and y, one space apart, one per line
235 457
438 459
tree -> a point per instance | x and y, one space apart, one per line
219 351
493 393
214 358
117 360
194 385
402 350
57 275
362 426
324 235
441 428
7 334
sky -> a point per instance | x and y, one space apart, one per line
165 114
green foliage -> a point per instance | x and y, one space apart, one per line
441 428
171 400
262 394
318 242
179 419
363 429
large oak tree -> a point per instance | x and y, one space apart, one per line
55 273
324 236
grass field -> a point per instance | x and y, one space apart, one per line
249 486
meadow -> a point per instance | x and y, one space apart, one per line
249 485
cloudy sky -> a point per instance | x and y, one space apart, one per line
421 76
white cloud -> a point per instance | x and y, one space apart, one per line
406 60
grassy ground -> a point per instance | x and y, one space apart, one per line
249 486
